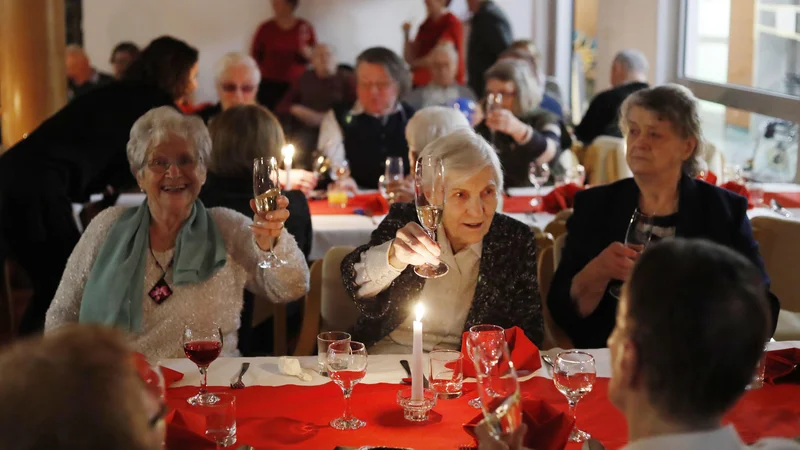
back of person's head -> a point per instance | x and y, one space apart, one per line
632 62
126 47
76 388
697 316
239 135
534 61
528 93
394 65
431 123
165 63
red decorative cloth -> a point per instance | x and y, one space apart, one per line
740 189
524 353
430 33
786 199
366 204
561 198
548 428
709 177
520 204
145 370
782 366
277 51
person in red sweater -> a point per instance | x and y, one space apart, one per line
282 48
439 27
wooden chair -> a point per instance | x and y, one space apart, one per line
554 336
558 225
307 340
605 161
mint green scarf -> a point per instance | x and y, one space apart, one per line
114 291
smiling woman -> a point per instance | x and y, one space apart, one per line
492 260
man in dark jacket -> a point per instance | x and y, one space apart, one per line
489 35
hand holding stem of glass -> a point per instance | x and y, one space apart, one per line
267 189
429 192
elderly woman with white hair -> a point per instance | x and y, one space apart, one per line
236 77
492 259
520 130
170 263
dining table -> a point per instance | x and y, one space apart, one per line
277 411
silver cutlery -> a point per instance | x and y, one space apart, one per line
548 360
238 384
593 444
778 208
405 365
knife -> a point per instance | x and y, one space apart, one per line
405 365
778 208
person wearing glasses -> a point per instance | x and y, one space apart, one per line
170 263
236 77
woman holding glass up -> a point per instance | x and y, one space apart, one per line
663 199
170 263
488 260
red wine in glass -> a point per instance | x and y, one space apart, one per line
202 345
202 353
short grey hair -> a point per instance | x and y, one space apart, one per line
675 104
431 123
529 93
447 48
392 63
158 125
632 60
234 59
465 153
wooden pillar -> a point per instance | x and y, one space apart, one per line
32 68
741 54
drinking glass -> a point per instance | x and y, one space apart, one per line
446 373
202 346
337 197
324 340
266 190
430 193
347 365
578 175
756 191
393 175
493 103
640 231
498 388
155 393
341 170
221 420
574 375
538 174
487 337
758 376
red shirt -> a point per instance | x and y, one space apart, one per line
277 51
447 27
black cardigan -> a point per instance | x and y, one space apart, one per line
601 216
507 293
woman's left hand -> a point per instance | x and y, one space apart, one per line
504 121
267 228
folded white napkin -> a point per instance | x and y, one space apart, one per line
291 367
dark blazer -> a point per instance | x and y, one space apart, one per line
507 293
602 117
601 216
490 34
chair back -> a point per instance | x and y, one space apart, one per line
605 161
558 225
337 307
309 329
558 247
779 245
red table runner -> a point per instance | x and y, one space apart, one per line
297 417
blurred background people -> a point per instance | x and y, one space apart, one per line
439 26
81 76
444 89
122 56
236 77
489 35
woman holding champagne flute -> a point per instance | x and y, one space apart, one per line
170 263
485 262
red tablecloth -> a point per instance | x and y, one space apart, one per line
786 199
297 417
366 204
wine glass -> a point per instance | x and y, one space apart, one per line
574 375
498 388
578 175
494 101
202 346
347 365
538 175
341 170
429 193
488 337
640 231
267 189
393 176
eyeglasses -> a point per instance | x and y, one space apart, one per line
162 165
233 87
380 85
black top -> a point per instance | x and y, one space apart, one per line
602 215
490 35
209 112
601 119
99 79
507 293
236 192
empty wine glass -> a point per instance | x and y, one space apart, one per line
640 231
393 176
574 375
347 365
486 336
429 192
538 174
498 388
266 190
202 346
494 101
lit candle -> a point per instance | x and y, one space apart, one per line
416 357
288 154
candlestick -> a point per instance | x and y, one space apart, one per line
288 154
416 357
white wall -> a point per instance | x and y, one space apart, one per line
216 27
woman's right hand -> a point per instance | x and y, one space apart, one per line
589 285
412 246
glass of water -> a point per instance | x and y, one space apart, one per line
574 374
446 372
221 420
324 341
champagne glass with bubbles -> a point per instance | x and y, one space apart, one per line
430 193
640 231
267 189
574 375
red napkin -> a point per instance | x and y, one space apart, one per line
561 198
145 371
524 353
708 177
783 366
366 204
548 428
740 189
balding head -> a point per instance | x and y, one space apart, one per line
78 67
629 65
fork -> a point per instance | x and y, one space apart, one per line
239 384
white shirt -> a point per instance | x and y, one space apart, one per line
447 299
720 439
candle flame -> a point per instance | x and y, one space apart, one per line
420 310
288 151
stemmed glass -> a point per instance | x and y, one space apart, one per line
574 375
538 174
347 365
498 388
493 102
640 231
267 189
341 170
221 420
202 346
429 193
489 339
392 177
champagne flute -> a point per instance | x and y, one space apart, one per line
494 101
202 345
538 174
430 193
267 189
347 365
574 375
488 337
640 231
498 388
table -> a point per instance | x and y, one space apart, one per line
293 414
